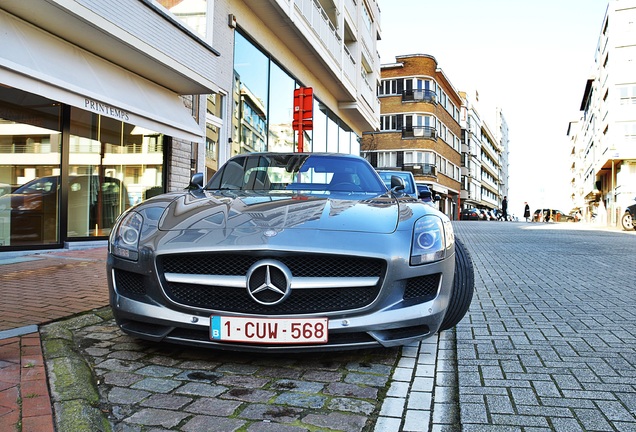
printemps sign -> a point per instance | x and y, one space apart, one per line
105 109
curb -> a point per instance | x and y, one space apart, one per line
74 391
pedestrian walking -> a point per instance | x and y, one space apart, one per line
504 208
526 212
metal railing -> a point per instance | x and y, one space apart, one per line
427 132
419 95
349 66
34 148
319 21
422 169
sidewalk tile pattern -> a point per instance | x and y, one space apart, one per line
25 402
550 339
38 289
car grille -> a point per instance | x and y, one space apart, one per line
423 288
305 301
128 283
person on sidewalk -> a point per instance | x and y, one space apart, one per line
504 208
526 212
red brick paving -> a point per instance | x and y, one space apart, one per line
56 285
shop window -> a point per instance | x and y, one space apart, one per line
30 155
262 123
112 165
281 134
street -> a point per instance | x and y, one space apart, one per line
549 342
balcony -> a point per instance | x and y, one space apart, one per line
426 132
421 169
322 26
419 96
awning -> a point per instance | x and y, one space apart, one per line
38 62
436 187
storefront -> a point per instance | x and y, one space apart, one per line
81 139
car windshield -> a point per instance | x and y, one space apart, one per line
42 185
307 172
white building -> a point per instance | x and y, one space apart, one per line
504 142
105 103
484 157
603 139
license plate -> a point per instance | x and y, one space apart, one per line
269 330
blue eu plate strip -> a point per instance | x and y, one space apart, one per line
215 328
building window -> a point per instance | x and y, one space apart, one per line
213 125
391 87
366 17
627 95
629 131
387 159
265 124
111 166
280 131
30 164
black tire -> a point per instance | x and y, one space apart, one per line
463 287
627 222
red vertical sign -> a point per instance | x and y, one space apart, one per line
303 113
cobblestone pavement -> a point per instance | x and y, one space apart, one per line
550 339
144 386
162 386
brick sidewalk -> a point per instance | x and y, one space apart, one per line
37 289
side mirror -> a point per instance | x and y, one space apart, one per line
426 196
397 183
196 182
437 198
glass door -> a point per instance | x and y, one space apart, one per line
112 166
30 142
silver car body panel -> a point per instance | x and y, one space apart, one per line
270 227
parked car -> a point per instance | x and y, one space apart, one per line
410 187
287 251
551 215
426 194
32 209
469 214
627 221
5 189
484 214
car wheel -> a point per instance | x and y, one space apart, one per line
627 222
463 287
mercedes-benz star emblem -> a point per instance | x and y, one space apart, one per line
269 282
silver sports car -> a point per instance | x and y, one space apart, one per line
288 251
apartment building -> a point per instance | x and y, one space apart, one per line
104 104
419 127
281 45
603 139
484 157
503 138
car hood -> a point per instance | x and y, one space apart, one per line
281 210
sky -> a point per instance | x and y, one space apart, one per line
530 58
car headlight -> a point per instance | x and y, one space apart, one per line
432 239
124 239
